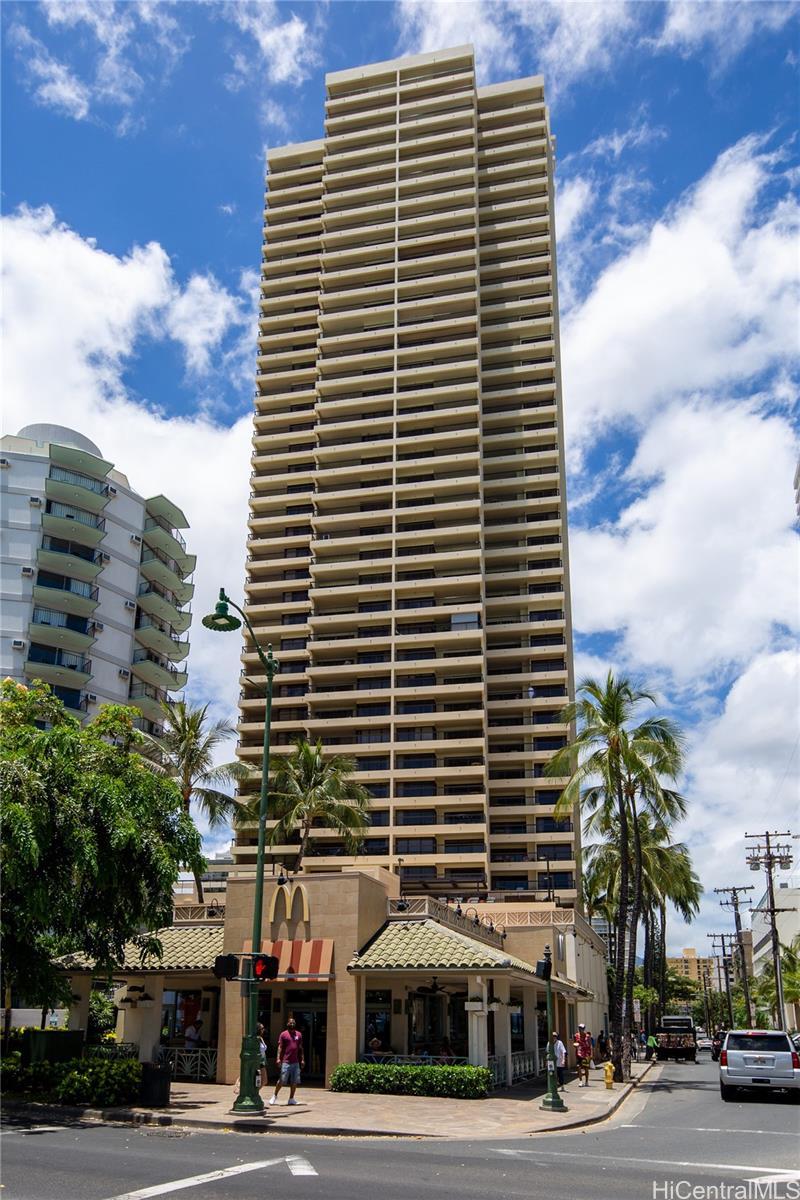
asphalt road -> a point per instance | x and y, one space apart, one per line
674 1128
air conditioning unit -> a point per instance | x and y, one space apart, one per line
137 541
90 696
124 673
112 491
36 501
130 604
27 572
17 644
105 557
97 626
4 462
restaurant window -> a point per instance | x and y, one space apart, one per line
178 1011
378 1019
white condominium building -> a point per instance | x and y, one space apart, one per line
95 584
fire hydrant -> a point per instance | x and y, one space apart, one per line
608 1071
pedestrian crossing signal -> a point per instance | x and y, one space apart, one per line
265 966
226 966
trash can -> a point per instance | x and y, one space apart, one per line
154 1090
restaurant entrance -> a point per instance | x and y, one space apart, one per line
310 1010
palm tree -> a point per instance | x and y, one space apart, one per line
185 752
309 789
618 760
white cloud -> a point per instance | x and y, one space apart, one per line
568 40
427 26
562 39
288 49
52 82
199 318
96 311
133 45
229 210
743 776
275 116
614 145
701 568
574 198
723 27
705 297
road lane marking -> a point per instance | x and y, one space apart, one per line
177 1185
694 1129
299 1165
34 1129
786 1177
650 1162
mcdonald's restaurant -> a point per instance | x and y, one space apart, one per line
365 972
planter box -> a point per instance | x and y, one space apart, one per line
473 1006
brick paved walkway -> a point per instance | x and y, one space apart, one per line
511 1112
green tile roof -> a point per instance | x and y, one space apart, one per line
428 946
185 948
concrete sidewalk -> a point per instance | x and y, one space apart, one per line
508 1113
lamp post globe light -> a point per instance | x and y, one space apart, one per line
551 1100
248 1099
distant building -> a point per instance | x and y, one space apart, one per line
690 965
788 921
94 579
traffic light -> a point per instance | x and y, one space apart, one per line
226 966
265 966
544 968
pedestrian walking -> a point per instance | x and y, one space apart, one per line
583 1053
602 1046
262 1056
560 1053
652 1046
290 1060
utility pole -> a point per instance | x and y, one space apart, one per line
768 853
733 903
723 938
705 1001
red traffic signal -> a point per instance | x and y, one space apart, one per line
226 966
265 966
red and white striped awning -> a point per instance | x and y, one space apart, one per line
300 960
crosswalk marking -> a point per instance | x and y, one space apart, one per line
295 1162
299 1165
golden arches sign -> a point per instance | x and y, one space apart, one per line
288 894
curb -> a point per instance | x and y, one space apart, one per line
138 1117
622 1096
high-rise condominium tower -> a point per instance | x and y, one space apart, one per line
407 514
95 579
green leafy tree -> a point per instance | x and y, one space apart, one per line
309 789
614 763
92 841
185 752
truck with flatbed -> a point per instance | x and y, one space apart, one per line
677 1039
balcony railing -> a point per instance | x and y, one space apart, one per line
158 523
59 658
85 481
63 583
68 513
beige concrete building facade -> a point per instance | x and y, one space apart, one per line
407 530
690 965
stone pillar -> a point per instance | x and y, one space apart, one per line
477 1041
502 1026
150 1021
81 986
231 1028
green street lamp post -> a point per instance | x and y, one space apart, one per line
249 1100
551 1100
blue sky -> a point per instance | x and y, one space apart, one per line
133 155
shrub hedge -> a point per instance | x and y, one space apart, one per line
94 1082
400 1079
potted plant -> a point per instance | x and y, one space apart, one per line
474 1004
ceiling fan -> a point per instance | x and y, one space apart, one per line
434 988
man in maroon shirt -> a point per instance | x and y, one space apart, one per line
290 1060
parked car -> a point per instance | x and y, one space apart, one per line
759 1059
703 1040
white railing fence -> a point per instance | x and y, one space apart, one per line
523 1065
189 1064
